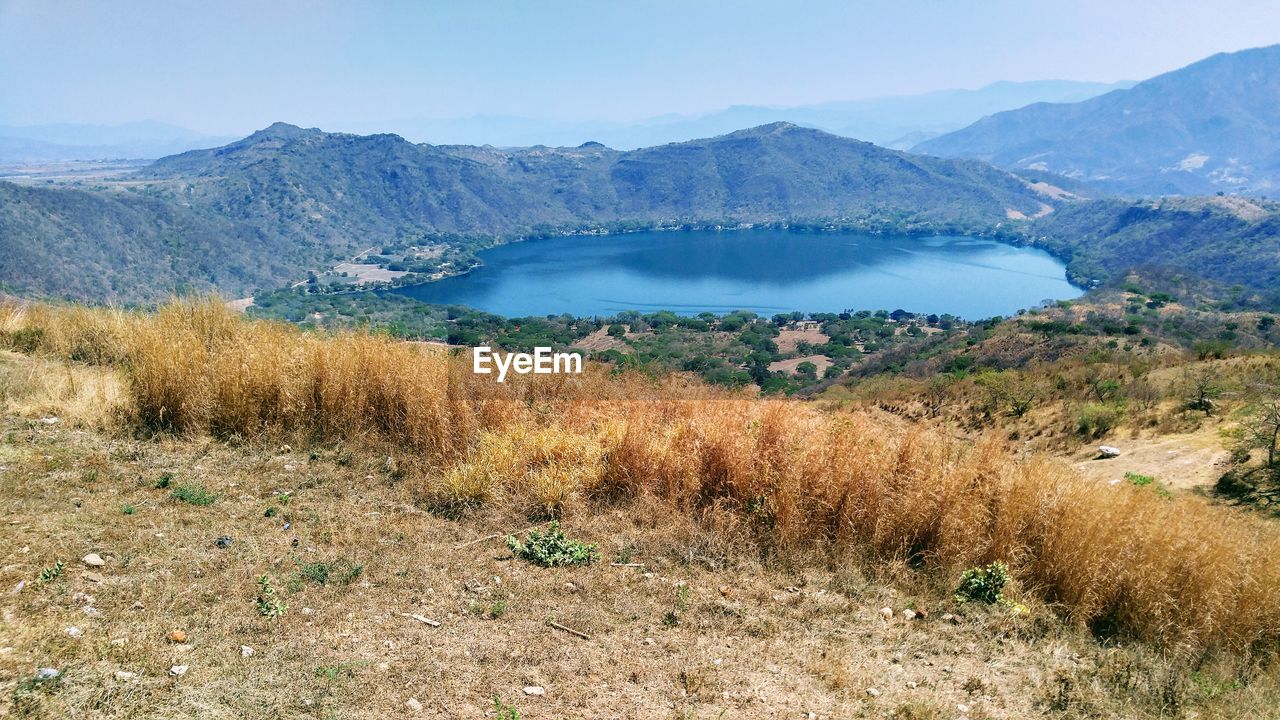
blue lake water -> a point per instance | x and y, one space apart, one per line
766 271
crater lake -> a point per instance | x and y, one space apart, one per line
765 271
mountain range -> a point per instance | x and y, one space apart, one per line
1211 126
285 200
895 122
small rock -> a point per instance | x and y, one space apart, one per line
48 673
93 560
949 618
50 420
307 611
872 692
93 577
962 707
536 690
179 670
92 611
647 641
125 676
75 632
137 605
120 641
246 651
908 614
224 542
886 613
413 705
1108 451
17 589
912 684
177 636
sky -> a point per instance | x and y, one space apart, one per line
231 66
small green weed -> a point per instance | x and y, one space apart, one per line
339 572
504 711
552 548
492 611
269 606
128 509
166 479
1138 480
193 495
51 573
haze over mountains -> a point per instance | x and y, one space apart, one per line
1211 126
60 142
895 122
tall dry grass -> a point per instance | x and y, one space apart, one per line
803 481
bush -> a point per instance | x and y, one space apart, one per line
1097 419
983 584
552 548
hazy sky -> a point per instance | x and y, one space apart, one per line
228 67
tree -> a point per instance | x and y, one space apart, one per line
1202 389
808 370
1260 424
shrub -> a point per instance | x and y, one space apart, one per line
1097 419
983 584
552 548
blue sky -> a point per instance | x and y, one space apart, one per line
228 67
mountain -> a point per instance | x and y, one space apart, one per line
286 200
1225 247
285 176
885 121
108 246
1211 126
68 142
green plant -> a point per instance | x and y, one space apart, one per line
983 584
269 606
271 511
493 611
1138 480
52 573
165 480
552 548
340 572
193 495
504 711
128 509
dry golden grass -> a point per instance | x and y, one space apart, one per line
804 484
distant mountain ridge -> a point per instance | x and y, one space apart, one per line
61 142
897 121
1211 126
286 200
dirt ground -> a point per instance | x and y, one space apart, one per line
1186 461
789 366
600 340
789 338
